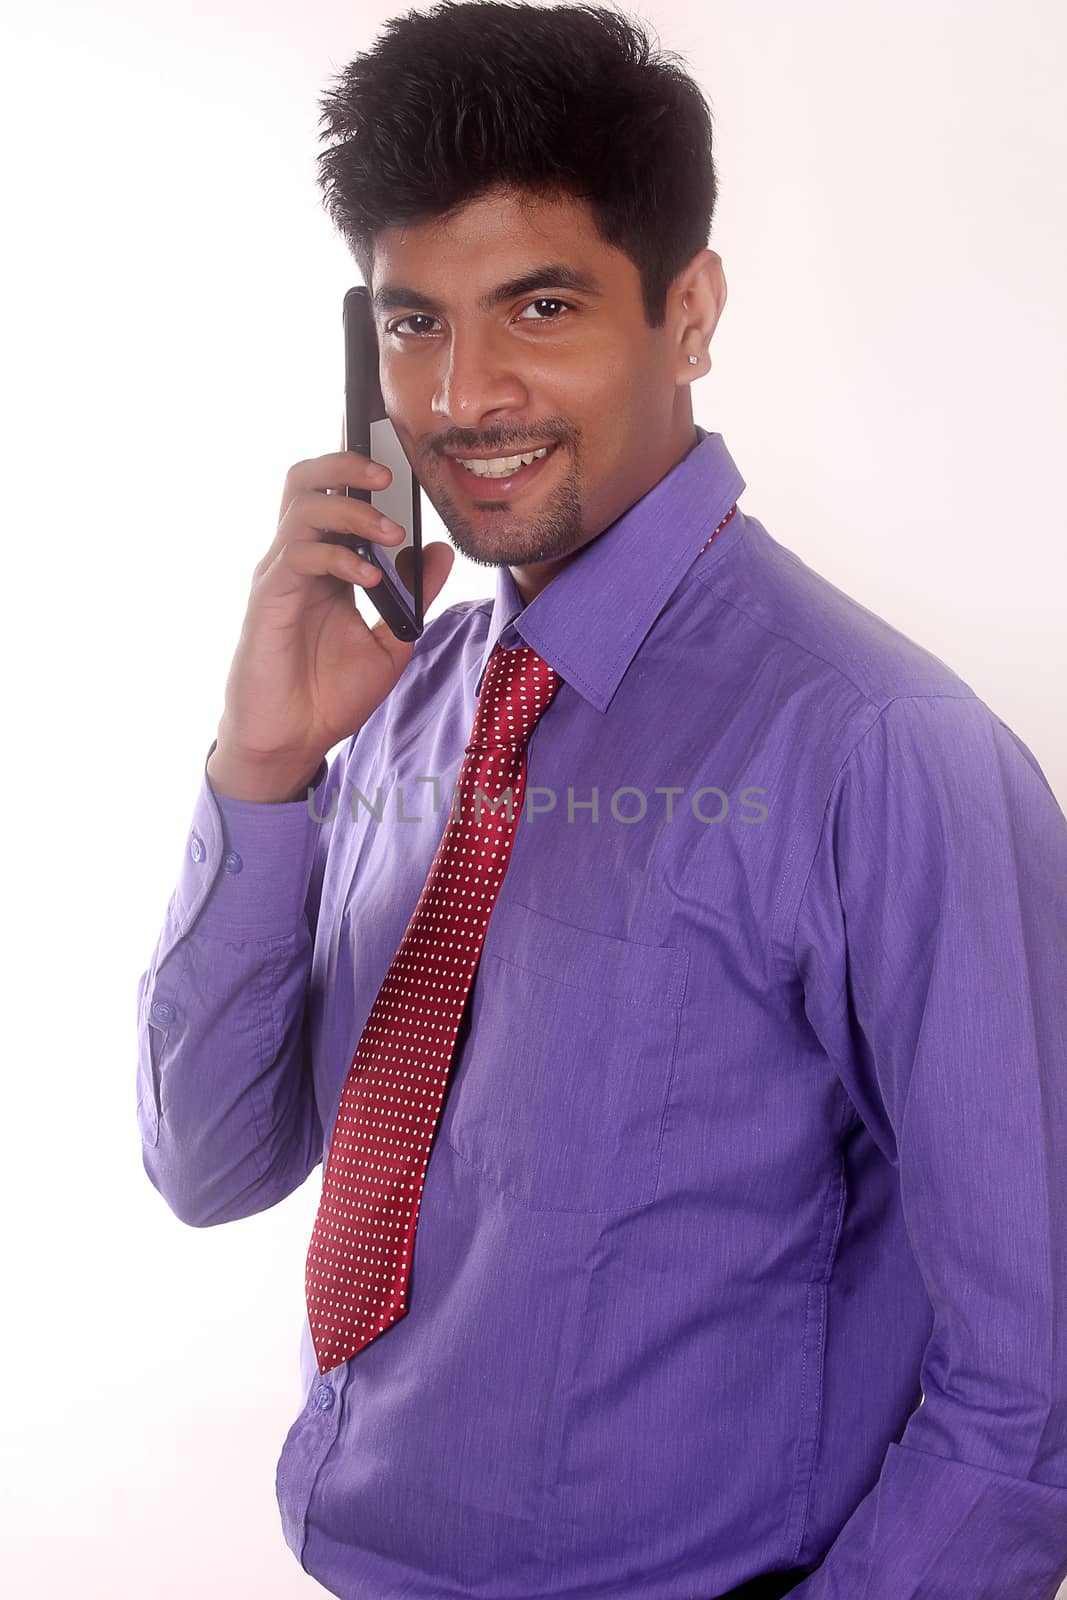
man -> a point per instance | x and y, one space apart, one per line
723 1071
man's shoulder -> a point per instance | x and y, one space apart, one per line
877 692
825 632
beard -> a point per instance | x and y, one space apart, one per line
509 535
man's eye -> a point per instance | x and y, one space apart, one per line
546 300
417 316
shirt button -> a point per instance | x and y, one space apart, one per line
232 861
324 1397
196 848
163 1011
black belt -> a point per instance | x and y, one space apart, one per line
769 1585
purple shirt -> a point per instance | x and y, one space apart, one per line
743 1241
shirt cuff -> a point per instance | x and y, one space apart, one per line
247 864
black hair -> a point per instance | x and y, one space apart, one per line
550 101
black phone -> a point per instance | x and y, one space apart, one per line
398 594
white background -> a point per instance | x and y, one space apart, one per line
888 374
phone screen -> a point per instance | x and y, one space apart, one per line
398 500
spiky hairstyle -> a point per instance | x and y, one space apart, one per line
550 101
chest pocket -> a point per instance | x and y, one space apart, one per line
561 1088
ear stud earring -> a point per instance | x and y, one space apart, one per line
693 360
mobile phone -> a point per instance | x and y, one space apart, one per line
398 595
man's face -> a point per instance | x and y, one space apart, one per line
575 368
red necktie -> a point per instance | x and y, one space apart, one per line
359 1260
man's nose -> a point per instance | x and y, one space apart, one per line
480 378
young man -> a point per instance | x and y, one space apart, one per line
693 1219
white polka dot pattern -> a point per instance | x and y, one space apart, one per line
359 1260
719 529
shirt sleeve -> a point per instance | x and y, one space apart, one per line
931 942
225 1105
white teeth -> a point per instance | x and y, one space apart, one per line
504 467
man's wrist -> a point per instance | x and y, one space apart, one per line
263 783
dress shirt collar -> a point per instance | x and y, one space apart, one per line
589 621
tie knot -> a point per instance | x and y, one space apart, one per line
517 687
